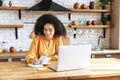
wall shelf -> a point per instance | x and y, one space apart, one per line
11 25
19 8
13 8
102 11
90 26
91 10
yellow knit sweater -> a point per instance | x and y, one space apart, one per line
40 46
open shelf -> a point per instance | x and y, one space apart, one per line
13 8
19 8
90 26
11 25
90 10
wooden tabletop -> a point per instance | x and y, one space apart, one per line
100 69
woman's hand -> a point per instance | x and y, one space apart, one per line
33 61
54 58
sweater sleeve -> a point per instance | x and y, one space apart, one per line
33 50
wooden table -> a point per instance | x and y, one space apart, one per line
100 69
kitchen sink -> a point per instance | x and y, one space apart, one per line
101 49
97 49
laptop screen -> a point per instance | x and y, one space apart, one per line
74 57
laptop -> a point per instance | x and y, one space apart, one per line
73 57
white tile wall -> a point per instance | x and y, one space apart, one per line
84 36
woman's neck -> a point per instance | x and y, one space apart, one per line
47 39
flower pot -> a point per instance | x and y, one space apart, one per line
103 6
76 6
104 23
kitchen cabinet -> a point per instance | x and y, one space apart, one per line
114 53
115 30
91 26
106 53
19 15
12 56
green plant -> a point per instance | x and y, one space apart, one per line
105 2
104 20
1 2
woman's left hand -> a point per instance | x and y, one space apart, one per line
54 58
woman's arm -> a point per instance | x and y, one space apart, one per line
32 55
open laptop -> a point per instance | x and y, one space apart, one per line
73 57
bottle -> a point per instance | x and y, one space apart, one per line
91 6
20 49
4 46
10 3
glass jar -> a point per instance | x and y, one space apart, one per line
4 46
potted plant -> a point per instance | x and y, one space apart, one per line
1 2
104 3
104 20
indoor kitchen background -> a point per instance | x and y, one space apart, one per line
28 19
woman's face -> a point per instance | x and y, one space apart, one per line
48 31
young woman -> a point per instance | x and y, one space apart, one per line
48 37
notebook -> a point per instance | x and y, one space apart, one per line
73 57
43 60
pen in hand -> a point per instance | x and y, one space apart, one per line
34 61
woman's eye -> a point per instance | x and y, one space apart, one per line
45 29
50 30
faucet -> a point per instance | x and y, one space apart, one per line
100 37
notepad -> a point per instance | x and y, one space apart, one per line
42 61
35 65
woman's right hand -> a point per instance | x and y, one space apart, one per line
33 61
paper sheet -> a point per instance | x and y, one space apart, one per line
42 61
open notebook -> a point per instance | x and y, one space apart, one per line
42 61
73 57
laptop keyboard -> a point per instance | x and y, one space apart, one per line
53 67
